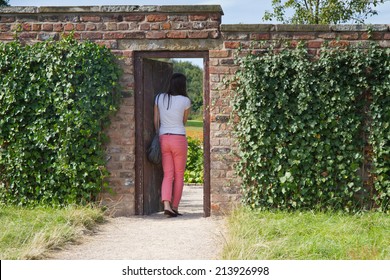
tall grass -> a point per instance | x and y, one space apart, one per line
307 236
31 233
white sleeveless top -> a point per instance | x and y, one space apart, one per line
171 119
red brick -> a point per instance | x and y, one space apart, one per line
155 18
36 27
68 27
134 35
111 26
260 36
178 18
349 36
155 26
336 43
123 26
386 36
219 70
90 27
144 26
26 26
57 27
80 26
75 35
198 17
156 35
198 34
232 45
219 53
134 18
314 44
91 18
6 36
48 27
365 36
177 34
304 37
327 35
166 26
6 19
113 35
4 27
376 35
27 35
92 35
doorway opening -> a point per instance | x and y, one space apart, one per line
152 73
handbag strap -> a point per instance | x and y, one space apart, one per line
158 115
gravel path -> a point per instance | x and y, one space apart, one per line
155 237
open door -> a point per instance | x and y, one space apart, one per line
155 79
151 77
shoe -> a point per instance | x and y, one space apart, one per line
169 213
177 212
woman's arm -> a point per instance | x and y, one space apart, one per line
156 118
186 114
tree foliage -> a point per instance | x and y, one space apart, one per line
55 100
322 11
4 3
302 126
194 76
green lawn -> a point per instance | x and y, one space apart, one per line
307 236
194 123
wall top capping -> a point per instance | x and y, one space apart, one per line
303 27
113 9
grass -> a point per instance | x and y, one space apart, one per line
307 236
194 129
30 233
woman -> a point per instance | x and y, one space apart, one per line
171 112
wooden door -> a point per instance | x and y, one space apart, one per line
141 64
156 75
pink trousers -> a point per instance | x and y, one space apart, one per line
174 158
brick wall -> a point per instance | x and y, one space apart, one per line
225 185
127 29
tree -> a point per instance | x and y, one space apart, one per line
4 3
194 76
322 11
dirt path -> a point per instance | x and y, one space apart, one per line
155 237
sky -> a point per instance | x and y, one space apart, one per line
235 11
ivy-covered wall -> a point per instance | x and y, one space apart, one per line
55 102
242 40
310 126
127 29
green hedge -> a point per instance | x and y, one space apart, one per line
194 168
307 126
55 100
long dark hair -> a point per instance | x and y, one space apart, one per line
177 86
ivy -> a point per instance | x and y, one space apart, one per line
55 101
307 128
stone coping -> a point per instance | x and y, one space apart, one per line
113 9
303 27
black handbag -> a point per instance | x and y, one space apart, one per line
154 150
